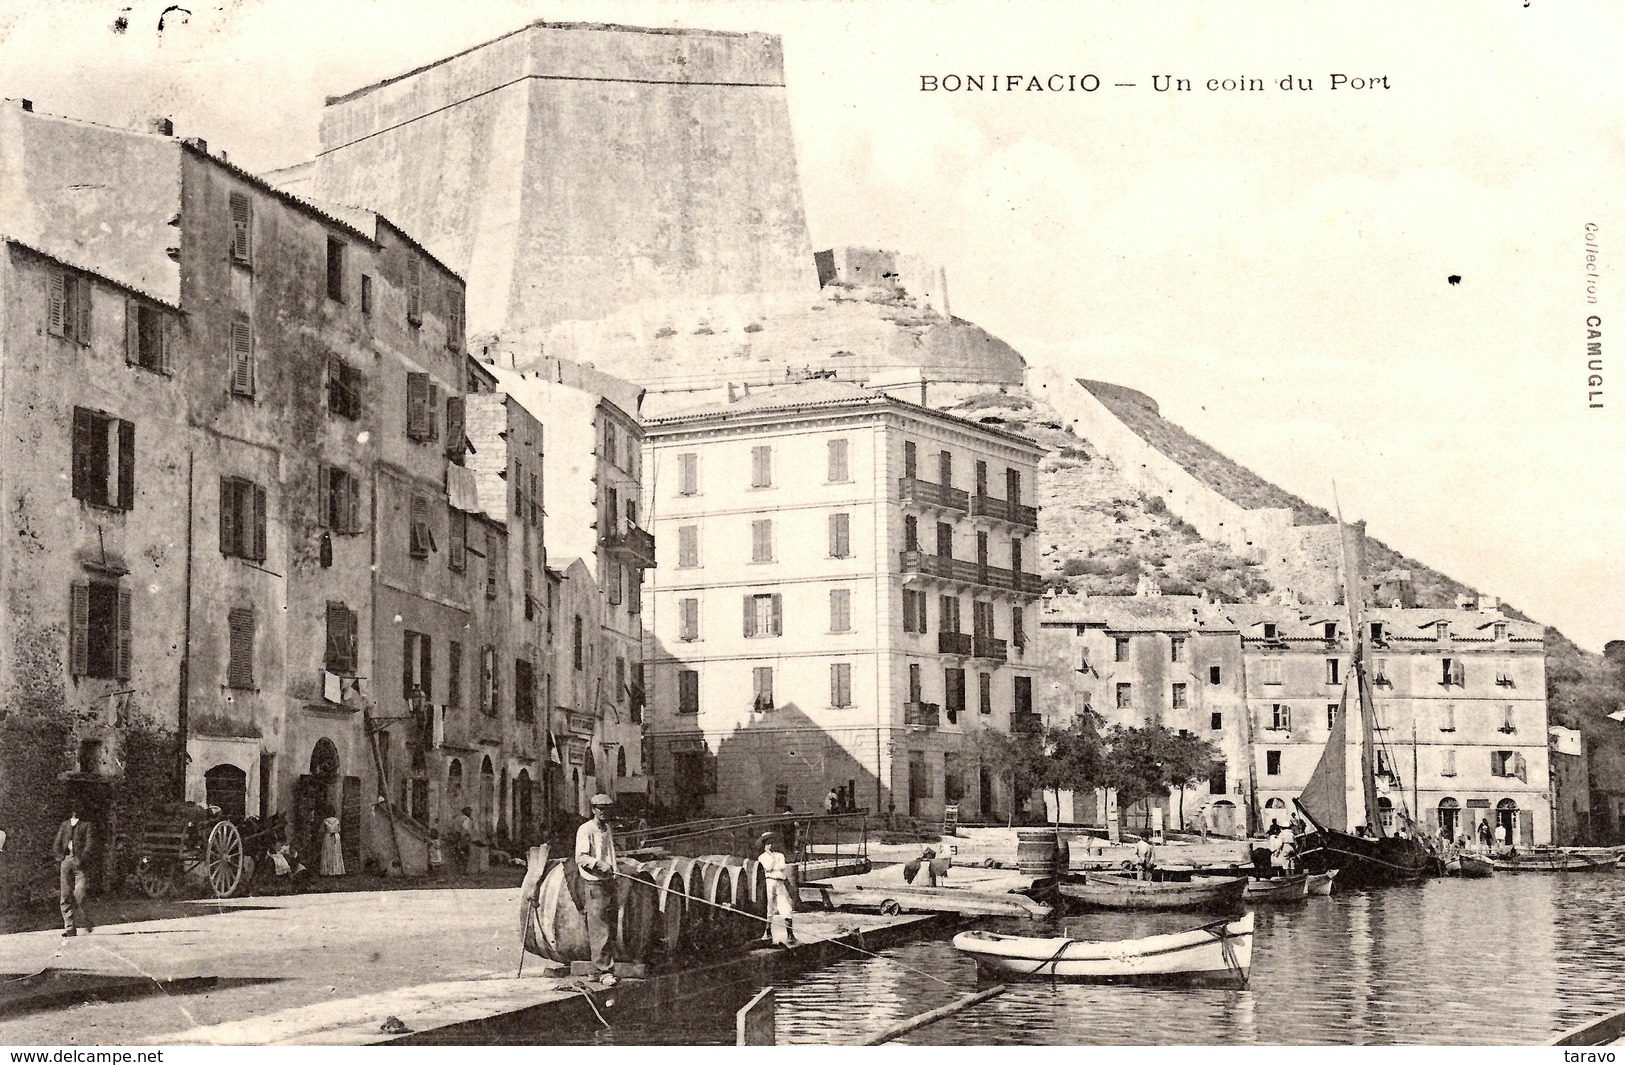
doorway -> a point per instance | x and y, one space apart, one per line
919 784
1449 818
1506 817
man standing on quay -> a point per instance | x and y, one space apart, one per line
595 855
75 842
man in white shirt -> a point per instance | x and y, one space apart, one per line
595 856
777 871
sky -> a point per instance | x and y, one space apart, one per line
1271 265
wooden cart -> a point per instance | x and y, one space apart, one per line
182 841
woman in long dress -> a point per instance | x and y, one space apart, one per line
332 853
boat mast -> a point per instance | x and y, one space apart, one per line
1355 602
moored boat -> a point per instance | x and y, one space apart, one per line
1469 867
1551 862
1216 954
1279 889
1108 891
1321 883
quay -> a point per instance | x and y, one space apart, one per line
329 969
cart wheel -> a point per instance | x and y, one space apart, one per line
155 879
890 908
224 860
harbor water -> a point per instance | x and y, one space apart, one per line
1509 960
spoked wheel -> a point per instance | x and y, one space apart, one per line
155 878
891 908
224 859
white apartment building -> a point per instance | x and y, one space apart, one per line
844 600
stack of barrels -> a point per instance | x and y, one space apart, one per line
668 908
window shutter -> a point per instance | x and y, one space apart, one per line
417 405
325 516
56 304
420 526
132 332
165 364
352 505
834 536
457 539
79 630
414 291
240 626
242 245
123 668
81 309
834 684
242 358
750 615
434 411
1458 673
456 434
335 638
228 516
259 524
84 441
126 465
778 614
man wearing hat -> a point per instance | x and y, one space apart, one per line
595 854
777 872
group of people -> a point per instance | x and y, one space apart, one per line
1280 853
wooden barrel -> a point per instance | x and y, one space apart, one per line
559 917
670 906
712 884
1036 852
637 912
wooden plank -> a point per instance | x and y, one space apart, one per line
756 1025
932 1016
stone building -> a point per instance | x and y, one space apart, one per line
844 601
1154 660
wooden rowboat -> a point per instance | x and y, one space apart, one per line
1321 883
1469 867
1551 862
1602 1032
1279 889
1218 954
1109 891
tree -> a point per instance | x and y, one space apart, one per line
1015 757
1150 760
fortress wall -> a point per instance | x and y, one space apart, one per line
1254 534
571 171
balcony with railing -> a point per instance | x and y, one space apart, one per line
928 494
633 546
990 647
922 715
967 572
1004 510
953 643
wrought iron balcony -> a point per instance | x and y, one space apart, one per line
967 572
928 494
1004 510
926 715
953 643
634 545
990 647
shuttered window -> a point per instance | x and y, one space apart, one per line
1018 628
343 389
524 690
838 464
490 700
914 611
840 684
99 643
422 533
340 502
761 540
242 230
688 546
688 474
242 519
948 613
422 403
341 640
840 536
456 429
688 691
761 467
764 615
335 269
240 630
840 610
945 540
454 674
984 692
242 356
146 337
911 459
454 318
457 541
103 463
761 682
688 620
414 292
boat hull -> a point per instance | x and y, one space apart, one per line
1468 867
1280 889
1363 862
1321 883
1104 891
1552 863
1220 954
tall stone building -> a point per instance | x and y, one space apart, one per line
844 600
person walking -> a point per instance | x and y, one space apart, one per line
595 856
74 846
777 871
1484 835
462 839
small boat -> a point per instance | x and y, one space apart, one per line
1550 862
1109 891
1602 1032
1321 883
908 899
1469 867
1219 954
1279 889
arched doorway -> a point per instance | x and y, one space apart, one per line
504 811
488 795
1222 818
984 790
324 759
1506 817
316 796
1275 813
1449 818
226 786
417 805
454 788
620 761
1385 813
522 809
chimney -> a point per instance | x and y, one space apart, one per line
164 127
1489 603
199 143
27 105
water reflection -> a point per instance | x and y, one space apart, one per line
1513 959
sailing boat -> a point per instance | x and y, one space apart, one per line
1359 848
